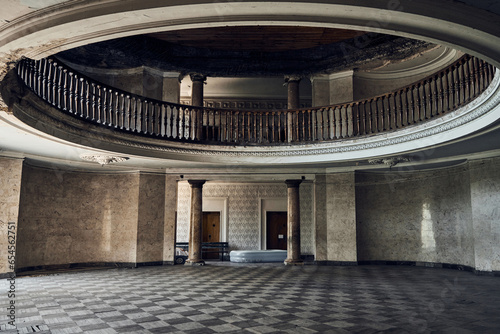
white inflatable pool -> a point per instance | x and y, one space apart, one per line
273 255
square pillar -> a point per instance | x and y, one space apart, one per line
10 192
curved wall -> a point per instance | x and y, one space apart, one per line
69 217
447 216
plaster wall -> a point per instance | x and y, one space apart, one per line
10 190
74 217
341 217
244 214
415 216
130 82
335 215
366 87
485 199
151 218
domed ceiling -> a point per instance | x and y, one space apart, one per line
249 51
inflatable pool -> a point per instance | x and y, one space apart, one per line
273 255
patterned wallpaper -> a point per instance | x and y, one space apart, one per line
243 216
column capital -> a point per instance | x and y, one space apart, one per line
197 183
292 78
293 183
197 77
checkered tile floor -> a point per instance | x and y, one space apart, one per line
255 299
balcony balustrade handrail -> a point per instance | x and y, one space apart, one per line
82 97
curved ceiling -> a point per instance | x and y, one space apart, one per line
75 23
249 54
257 38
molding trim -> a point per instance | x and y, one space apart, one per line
421 264
444 59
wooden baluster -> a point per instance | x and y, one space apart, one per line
120 120
168 121
174 122
105 95
461 83
356 119
345 121
382 113
376 114
127 107
223 126
139 117
335 122
389 112
481 75
88 111
447 89
98 103
470 78
428 99
423 100
133 114
94 102
44 78
30 70
350 120
149 117
121 115
81 98
64 102
39 77
49 81
71 88
319 124
76 96
416 103
116 109
361 118
54 79
59 70
187 123
302 125
386 102
184 127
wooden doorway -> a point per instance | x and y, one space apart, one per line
276 230
211 232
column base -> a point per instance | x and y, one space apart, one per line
194 263
291 262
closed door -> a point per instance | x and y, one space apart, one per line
276 229
211 233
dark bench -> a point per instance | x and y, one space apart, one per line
219 248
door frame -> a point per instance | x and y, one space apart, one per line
269 204
218 204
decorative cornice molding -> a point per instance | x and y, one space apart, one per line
102 159
391 162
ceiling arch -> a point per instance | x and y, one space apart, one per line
75 23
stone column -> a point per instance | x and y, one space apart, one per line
195 223
292 83
197 89
293 241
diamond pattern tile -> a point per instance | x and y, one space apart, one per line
255 298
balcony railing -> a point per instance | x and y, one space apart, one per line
92 101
